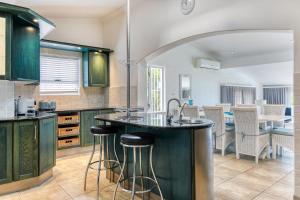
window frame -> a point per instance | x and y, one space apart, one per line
64 93
163 92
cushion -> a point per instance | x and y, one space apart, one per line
283 131
138 138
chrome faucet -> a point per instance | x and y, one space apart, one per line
169 117
181 110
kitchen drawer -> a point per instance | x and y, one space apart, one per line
75 141
68 131
70 119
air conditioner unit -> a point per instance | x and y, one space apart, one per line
207 64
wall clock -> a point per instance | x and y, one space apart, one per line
187 6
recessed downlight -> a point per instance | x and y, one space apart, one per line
36 20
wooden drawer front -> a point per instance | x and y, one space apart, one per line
68 119
69 142
68 131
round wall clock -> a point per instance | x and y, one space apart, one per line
187 6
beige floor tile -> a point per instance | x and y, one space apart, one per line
265 174
253 181
46 193
13 196
265 196
233 191
219 159
281 190
104 195
75 188
218 180
225 173
238 165
288 179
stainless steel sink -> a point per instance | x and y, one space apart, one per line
189 121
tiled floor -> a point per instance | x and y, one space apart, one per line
234 180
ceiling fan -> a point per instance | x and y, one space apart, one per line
187 6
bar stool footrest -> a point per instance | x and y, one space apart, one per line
94 165
141 178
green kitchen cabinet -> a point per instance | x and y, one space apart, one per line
6 146
95 69
25 54
25 150
20 32
86 122
5 44
47 144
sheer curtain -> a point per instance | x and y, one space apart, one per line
278 95
238 95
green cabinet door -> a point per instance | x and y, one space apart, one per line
25 54
96 69
5 152
25 150
5 45
86 122
47 144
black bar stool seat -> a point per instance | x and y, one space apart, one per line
103 130
137 139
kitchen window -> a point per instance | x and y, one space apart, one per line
60 75
156 90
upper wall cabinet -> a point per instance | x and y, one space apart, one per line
25 54
2 46
95 61
95 69
20 32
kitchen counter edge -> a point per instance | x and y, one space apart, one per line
24 118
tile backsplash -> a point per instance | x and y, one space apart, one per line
88 98
7 103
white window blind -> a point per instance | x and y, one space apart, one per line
59 75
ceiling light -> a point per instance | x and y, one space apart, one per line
36 20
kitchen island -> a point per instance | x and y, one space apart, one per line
182 155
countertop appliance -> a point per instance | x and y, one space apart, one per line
25 106
48 106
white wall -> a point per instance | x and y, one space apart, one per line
85 31
205 83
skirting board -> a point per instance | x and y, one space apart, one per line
25 184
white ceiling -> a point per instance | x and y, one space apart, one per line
246 48
72 8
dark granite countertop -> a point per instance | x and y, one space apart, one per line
41 115
151 120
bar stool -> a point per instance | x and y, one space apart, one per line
102 132
136 141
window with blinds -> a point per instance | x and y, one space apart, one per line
156 91
59 75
